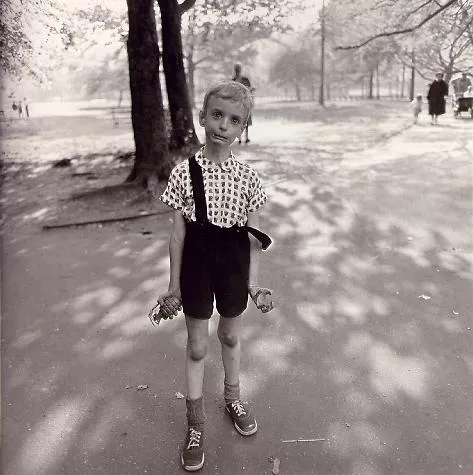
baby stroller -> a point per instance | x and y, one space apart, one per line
462 97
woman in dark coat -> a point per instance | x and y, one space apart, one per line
436 97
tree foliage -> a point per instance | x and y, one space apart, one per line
297 66
99 57
445 44
27 29
367 21
218 33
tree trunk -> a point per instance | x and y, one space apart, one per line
152 159
377 82
322 56
403 80
183 136
449 71
190 60
298 92
413 76
370 91
190 74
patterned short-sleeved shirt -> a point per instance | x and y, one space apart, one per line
232 190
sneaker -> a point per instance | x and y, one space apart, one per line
244 422
192 456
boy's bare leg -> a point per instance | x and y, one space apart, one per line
196 351
229 336
192 454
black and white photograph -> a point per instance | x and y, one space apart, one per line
236 237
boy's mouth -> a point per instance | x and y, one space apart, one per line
220 137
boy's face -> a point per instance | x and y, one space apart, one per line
224 121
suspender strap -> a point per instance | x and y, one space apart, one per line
201 205
198 190
263 238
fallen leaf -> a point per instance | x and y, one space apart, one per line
276 463
455 313
140 387
179 395
424 297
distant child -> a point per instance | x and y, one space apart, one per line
416 107
27 109
215 198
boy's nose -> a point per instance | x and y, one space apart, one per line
224 123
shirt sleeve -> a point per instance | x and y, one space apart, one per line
257 194
173 195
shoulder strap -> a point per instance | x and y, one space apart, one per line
198 190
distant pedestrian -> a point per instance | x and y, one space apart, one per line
246 82
215 198
27 110
416 107
461 86
436 97
20 110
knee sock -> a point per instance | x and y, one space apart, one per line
195 413
231 392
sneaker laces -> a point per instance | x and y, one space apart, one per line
194 438
238 408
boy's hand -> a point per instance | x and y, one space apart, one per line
168 306
262 297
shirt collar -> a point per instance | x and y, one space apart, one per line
227 165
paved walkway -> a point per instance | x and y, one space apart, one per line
370 347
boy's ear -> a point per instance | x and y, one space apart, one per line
201 118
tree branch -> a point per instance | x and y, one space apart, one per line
398 32
185 5
420 7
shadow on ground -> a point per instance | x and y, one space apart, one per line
369 348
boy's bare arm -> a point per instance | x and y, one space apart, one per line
170 301
176 245
260 295
255 245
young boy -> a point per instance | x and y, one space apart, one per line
416 106
215 199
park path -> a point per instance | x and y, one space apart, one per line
369 347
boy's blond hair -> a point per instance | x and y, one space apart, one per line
232 91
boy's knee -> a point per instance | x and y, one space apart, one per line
197 349
228 339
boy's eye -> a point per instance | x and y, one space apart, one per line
235 120
216 114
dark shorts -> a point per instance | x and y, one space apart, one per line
215 265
